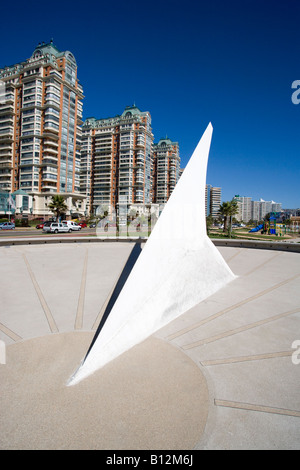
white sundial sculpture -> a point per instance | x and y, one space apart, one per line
178 267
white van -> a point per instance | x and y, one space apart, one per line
71 225
54 227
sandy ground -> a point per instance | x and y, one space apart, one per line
146 397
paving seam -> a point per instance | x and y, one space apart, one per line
46 309
239 330
103 308
81 298
261 408
11 334
255 357
263 264
234 255
229 309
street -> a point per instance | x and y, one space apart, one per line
36 233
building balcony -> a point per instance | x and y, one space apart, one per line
6 186
6 151
7 132
52 143
99 169
101 176
5 176
7 109
49 178
102 140
49 162
5 156
6 139
51 105
140 145
50 128
8 120
9 98
48 187
103 148
140 162
50 135
123 166
50 151
5 164
56 74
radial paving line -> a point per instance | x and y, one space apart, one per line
255 357
10 333
229 309
234 255
80 307
261 408
103 308
239 330
263 264
49 317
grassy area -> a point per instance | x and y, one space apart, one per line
245 235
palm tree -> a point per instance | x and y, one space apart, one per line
234 209
224 212
227 210
209 222
58 205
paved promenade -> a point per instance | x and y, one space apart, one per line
222 376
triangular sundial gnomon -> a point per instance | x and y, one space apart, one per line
178 268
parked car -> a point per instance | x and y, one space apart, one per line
55 227
71 225
93 225
7 226
82 224
40 225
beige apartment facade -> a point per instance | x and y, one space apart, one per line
40 128
116 160
165 169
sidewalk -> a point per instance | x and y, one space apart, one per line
221 376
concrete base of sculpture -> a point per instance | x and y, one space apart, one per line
178 268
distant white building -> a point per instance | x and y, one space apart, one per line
244 206
255 210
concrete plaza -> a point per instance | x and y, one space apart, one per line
224 375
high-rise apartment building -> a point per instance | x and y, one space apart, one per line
215 200
40 127
116 159
244 208
166 169
212 200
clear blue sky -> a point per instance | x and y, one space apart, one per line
188 63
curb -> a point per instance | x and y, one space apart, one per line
264 245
